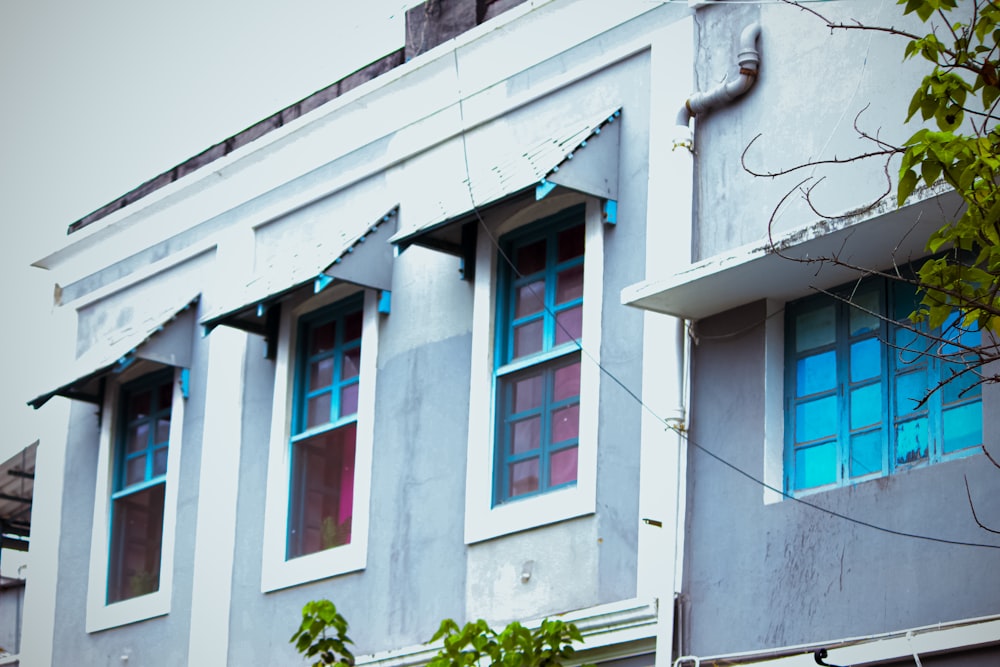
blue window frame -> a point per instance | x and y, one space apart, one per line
537 367
138 489
855 382
324 429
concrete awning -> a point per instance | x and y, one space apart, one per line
581 156
163 336
796 263
364 258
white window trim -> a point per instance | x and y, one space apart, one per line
100 614
483 521
276 571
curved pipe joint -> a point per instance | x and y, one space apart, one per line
727 91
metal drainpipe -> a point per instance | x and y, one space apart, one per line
727 91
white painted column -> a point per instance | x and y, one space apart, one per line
39 613
215 534
668 248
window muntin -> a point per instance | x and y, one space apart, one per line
138 492
537 372
323 440
854 403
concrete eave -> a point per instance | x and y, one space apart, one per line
791 265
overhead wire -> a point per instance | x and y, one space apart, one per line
680 430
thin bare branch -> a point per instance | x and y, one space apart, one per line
972 507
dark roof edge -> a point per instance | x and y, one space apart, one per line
255 131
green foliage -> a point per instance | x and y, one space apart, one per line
515 646
311 640
960 95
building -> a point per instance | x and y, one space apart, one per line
375 350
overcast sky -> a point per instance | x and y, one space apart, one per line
99 96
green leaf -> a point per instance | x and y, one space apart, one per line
907 181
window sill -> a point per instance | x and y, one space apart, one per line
134 610
279 573
527 513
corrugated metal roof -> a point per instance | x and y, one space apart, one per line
361 258
124 345
17 483
539 164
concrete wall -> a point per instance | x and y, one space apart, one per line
11 609
762 575
419 569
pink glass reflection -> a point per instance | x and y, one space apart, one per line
530 299
571 243
569 325
567 382
318 411
569 284
523 477
566 423
349 400
351 363
322 339
528 338
321 373
352 326
562 466
527 393
526 435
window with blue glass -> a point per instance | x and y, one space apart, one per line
537 371
859 381
139 483
324 429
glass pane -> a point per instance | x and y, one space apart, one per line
562 466
866 359
905 300
525 435
815 373
959 339
352 326
528 338
166 395
162 430
571 243
861 319
318 410
530 258
960 385
866 453
350 363
323 492
160 462
909 345
349 399
911 441
963 427
139 405
569 284
322 338
529 299
567 382
816 419
527 393
136 536
866 406
815 466
523 477
815 328
138 438
321 374
569 325
135 470
911 388
566 424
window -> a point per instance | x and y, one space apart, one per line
143 442
319 464
135 509
325 429
533 395
540 312
855 405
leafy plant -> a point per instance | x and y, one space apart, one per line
478 644
311 639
